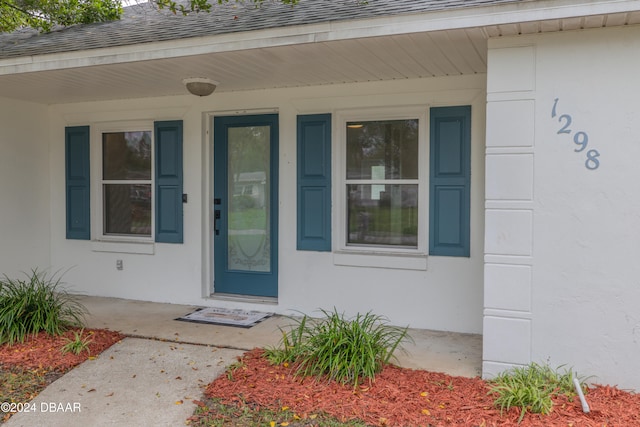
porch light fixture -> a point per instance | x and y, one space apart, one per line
200 86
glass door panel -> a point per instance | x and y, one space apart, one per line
248 199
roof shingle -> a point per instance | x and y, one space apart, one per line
144 24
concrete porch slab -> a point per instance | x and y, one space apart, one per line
448 352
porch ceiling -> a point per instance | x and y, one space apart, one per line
393 57
356 60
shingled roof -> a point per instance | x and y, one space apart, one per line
144 24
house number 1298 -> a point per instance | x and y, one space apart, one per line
580 138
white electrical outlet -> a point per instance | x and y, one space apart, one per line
119 264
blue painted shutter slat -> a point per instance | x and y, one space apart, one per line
168 184
77 183
314 182
450 181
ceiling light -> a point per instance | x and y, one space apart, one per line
200 86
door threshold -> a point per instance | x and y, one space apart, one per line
244 298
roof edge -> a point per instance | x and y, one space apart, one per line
472 17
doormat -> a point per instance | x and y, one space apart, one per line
226 317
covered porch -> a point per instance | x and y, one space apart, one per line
497 57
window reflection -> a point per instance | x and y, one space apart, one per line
126 172
386 215
126 155
127 209
389 147
383 212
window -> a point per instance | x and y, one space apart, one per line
382 183
401 192
383 190
127 183
124 184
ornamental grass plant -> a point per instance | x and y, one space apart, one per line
37 303
78 344
531 388
343 349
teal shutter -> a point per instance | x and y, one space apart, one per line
168 184
449 181
77 182
314 182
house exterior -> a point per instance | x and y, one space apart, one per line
467 166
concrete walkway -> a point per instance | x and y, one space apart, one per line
142 381
137 382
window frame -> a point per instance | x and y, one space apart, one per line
98 181
340 173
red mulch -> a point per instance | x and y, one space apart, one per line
43 351
405 397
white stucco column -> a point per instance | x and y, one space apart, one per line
562 204
508 208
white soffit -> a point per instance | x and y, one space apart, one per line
399 57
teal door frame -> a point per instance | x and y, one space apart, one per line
227 279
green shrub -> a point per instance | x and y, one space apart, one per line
36 304
345 350
531 388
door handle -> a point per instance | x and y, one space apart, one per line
216 217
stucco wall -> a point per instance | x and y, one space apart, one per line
574 298
24 188
447 296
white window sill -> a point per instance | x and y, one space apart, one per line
394 260
145 248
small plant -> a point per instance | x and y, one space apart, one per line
345 350
78 344
36 304
231 369
531 388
